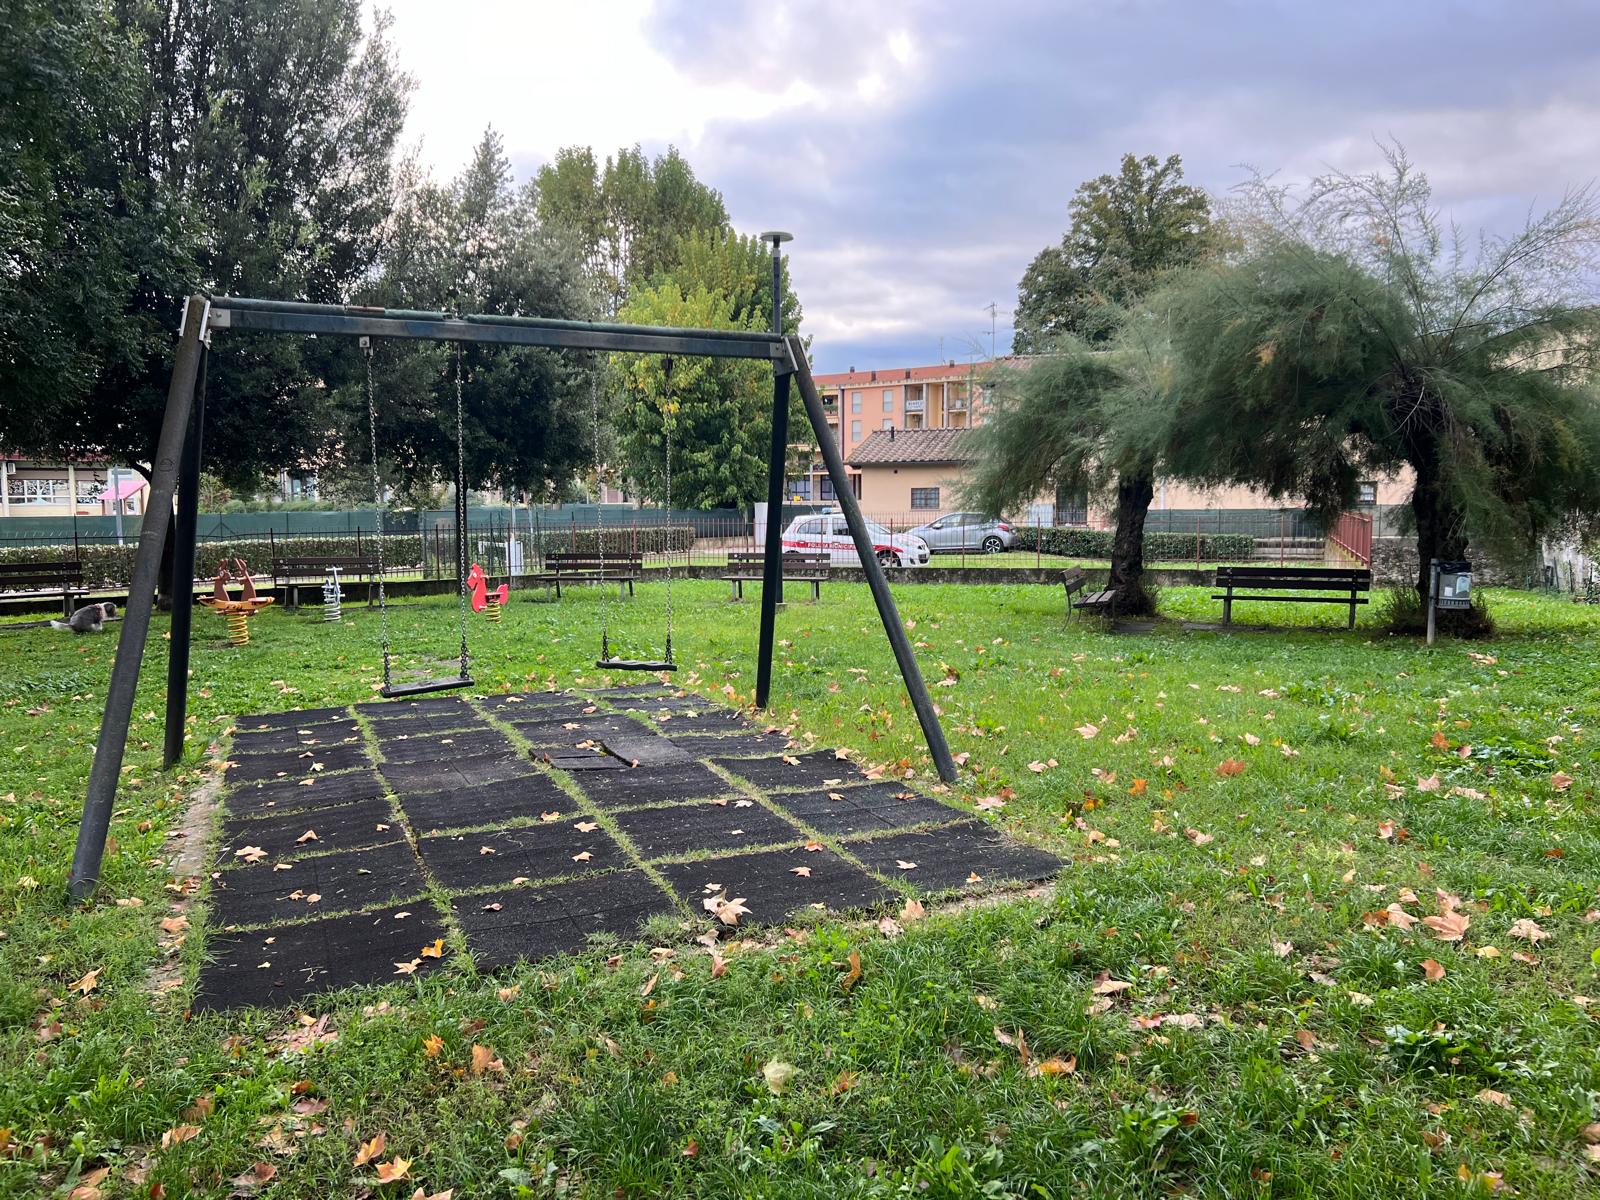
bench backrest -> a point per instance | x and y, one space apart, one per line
60 571
1074 578
790 559
564 561
289 566
1287 579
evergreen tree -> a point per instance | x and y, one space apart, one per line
1359 334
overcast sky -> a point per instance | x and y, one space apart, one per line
923 153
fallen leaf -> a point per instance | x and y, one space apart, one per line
1432 970
1490 1096
1088 731
587 826
394 1170
485 1062
1400 918
309 835
407 968
1561 781
1198 838
434 950
889 927
777 1075
913 911
904 865
582 856
1430 784
849 978
1528 929
1107 987
1449 926
803 872
370 1150
1229 767
432 1045
250 854
87 984
1057 1066
178 1134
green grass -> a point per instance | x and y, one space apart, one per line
1305 1051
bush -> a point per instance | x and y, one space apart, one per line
1401 611
1072 542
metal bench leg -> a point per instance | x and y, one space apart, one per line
1352 624
1227 607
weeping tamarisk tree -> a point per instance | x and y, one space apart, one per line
1358 334
1095 418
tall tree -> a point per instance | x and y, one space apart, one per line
1128 231
1360 334
1090 417
254 142
627 215
473 245
723 426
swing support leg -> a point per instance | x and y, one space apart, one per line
905 658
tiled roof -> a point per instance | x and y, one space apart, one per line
903 447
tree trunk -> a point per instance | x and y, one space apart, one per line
1441 531
1134 494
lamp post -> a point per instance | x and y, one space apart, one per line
116 501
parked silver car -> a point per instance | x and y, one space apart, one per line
966 531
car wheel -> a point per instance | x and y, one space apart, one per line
993 545
888 558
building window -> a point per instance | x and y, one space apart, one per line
913 420
855 402
37 491
888 423
825 490
90 491
855 431
1071 506
925 497
888 399
800 489
1366 492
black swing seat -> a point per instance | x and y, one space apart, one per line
635 664
401 691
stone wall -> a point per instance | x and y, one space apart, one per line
1394 561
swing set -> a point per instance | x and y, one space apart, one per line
176 475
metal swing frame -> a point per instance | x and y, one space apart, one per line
178 457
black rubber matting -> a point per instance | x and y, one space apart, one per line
772 885
276 741
290 962
285 834
517 843
687 828
949 857
531 923
452 744
319 791
262 892
532 852
508 802
653 785
864 809
437 775
819 768
298 763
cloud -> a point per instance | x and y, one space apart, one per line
923 152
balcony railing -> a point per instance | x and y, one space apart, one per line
917 405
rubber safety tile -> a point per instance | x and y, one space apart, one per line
820 768
446 746
775 883
505 802
277 890
317 791
688 828
439 775
531 923
533 852
285 834
296 719
842 812
276 741
298 763
285 964
653 785
962 855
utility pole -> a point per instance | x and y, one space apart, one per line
991 308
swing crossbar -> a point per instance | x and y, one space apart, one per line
635 664
401 691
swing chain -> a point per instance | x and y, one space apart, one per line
666 368
378 507
461 515
599 508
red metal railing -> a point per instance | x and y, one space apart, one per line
1352 534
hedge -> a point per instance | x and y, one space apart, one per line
651 539
1071 542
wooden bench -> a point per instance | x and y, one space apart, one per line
289 575
746 566
561 567
1248 582
63 575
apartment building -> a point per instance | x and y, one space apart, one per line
46 489
948 395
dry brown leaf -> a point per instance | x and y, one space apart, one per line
394 1170
1528 928
1432 970
484 1061
1448 926
803 872
1107 987
849 978
1198 838
87 984
889 927
1229 767
432 1045
178 1134
433 950
913 911
370 1150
